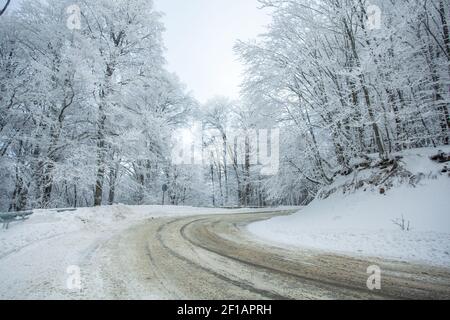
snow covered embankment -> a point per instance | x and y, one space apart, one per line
367 220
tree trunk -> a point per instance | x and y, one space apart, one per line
112 184
47 184
75 196
445 28
101 154
398 123
225 167
19 199
247 188
213 186
375 128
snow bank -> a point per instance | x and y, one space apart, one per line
35 254
48 224
361 222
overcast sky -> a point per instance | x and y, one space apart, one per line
200 37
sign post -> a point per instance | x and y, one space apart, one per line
164 190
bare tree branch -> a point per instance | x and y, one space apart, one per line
6 6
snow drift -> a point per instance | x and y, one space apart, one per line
400 213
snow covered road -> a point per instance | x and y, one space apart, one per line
201 257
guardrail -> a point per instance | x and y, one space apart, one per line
8 217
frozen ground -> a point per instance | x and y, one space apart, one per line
197 257
35 255
49 224
127 252
361 222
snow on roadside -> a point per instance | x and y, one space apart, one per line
48 224
361 223
35 254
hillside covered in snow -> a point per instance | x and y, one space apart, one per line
401 211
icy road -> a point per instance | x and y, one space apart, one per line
204 257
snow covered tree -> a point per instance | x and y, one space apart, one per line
348 86
85 106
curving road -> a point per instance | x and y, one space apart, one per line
213 257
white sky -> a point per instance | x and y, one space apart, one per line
200 37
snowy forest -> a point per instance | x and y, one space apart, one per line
88 109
